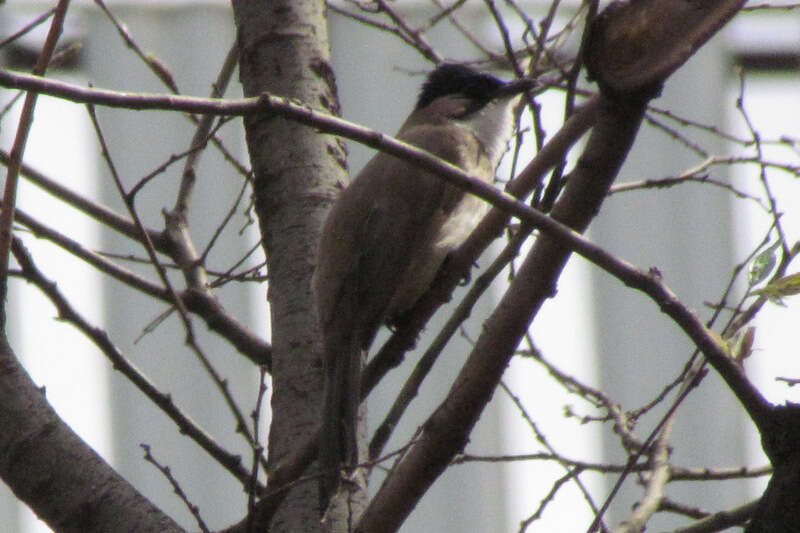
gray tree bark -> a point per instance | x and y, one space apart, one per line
284 50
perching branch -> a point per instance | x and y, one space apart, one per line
445 433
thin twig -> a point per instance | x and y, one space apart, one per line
99 337
722 520
221 383
636 522
417 38
756 136
258 450
18 149
203 132
463 30
411 387
155 65
28 27
542 439
223 224
176 487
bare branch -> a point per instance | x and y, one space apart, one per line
28 27
200 303
176 487
416 37
722 520
18 149
391 353
654 490
99 337
218 380
99 212
445 432
202 133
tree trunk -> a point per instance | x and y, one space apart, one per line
284 50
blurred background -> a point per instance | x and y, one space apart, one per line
596 330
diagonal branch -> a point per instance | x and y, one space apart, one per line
42 451
505 202
97 211
636 522
31 273
175 299
446 431
460 263
18 149
216 317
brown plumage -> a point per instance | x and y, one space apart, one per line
386 237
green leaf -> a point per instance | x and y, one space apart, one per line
781 288
741 343
762 265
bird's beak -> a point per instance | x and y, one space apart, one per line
514 87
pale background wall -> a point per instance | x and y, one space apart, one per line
593 329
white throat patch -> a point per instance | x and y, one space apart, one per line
492 126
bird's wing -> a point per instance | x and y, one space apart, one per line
396 224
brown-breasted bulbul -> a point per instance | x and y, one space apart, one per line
390 230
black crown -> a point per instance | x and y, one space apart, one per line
451 78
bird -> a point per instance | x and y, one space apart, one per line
391 229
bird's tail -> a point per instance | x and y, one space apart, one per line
338 446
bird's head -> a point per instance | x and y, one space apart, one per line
476 100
